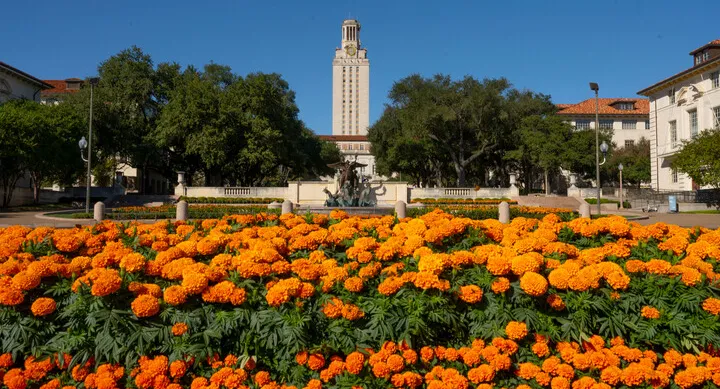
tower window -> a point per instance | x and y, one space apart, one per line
693 122
629 124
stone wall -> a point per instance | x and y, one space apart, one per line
464 193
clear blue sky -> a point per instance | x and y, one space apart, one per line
553 47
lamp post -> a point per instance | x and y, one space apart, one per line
620 168
93 81
594 86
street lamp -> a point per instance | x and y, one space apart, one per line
620 168
93 82
594 86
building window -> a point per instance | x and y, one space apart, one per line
362 146
673 133
629 125
647 125
606 124
674 176
629 142
626 106
343 69
715 78
671 95
582 124
716 116
693 122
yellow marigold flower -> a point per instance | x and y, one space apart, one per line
649 312
559 278
43 306
516 330
533 284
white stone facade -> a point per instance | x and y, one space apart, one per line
16 84
681 107
351 84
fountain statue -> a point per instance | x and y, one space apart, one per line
352 192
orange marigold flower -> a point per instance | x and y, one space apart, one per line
43 306
354 362
711 305
301 358
354 284
133 262
471 294
194 282
179 329
533 284
556 302
316 362
516 330
500 285
650 312
175 295
145 306
178 369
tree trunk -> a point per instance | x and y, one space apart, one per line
36 180
461 176
547 182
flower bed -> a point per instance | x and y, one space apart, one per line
261 301
230 200
491 212
448 201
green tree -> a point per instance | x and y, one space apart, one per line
17 124
635 160
699 158
542 141
579 155
466 123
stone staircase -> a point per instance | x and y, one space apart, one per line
549 201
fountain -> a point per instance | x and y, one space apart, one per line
352 192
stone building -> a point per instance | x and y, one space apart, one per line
627 117
681 106
351 99
16 84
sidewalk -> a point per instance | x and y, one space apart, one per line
681 219
28 219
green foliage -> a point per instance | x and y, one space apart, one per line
635 160
450 131
699 158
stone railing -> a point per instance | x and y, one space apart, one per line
220 191
464 193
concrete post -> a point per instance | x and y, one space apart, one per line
287 207
585 210
400 209
504 212
181 210
99 211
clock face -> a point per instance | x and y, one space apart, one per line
350 50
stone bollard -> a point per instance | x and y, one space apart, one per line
181 210
287 207
99 211
585 210
400 209
274 205
504 212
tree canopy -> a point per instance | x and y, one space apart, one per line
699 158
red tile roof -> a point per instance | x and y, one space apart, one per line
59 86
606 107
716 42
344 138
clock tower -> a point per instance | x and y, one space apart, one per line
351 83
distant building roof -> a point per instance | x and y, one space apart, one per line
23 75
344 138
714 43
60 86
697 69
606 106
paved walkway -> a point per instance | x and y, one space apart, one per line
682 219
